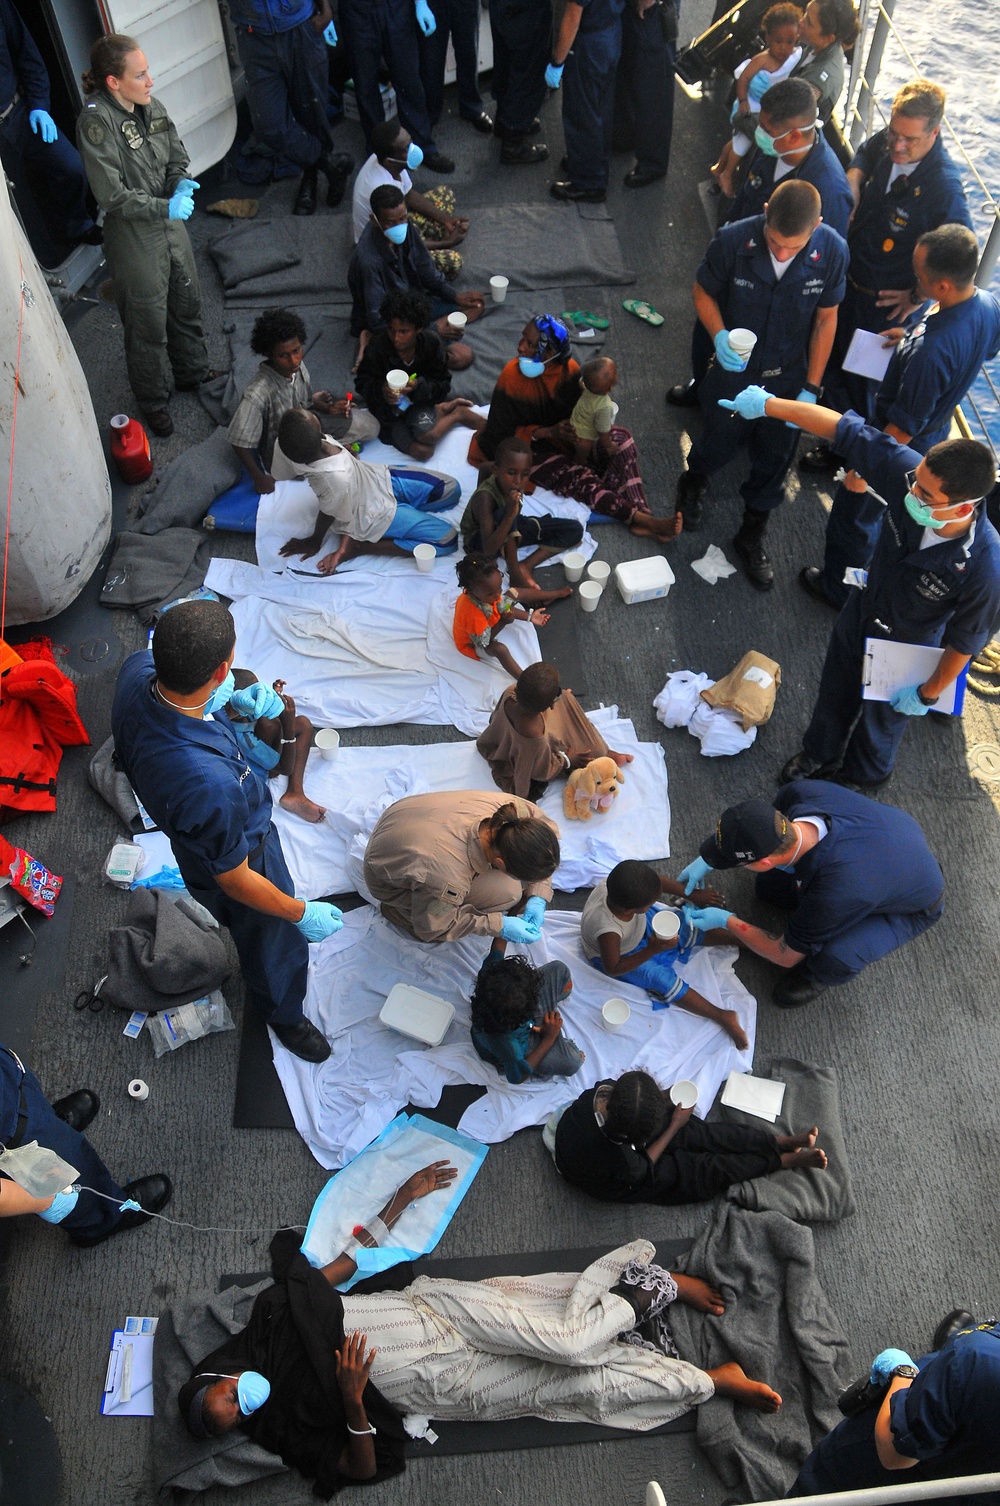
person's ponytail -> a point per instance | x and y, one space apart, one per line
528 845
107 56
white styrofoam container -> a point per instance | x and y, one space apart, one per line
643 580
416 1013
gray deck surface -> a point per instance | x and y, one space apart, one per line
916 1039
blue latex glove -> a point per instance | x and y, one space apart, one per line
728 358
330 34
320 920
181 206
41 122
425 18
805 396
187 187
885 1363
520 928
908 703
711 918
534 911
256 701
62 1204
692 875
553 75
749 403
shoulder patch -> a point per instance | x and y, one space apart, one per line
93 129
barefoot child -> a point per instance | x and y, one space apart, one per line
493 523
595 411
277 745
516 1024
484 609
616 930
538 732
780 29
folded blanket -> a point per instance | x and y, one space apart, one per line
164 955
147 570
556 247
190 484
244 251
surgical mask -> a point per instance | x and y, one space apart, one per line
922 514
414 155
530 367
221 694
396 233
767 142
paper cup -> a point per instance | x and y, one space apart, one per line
684 1094
599 570
615 1013
573 565
458 320
666 924
590 593
425 555
396 379
328 743
498 288
743 342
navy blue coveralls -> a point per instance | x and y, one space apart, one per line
285 60
947 1420
458 19
377 29
52 175
871 885
199 789
644 85
883 234
737 272
25 1115
947 594
522 46
589 92
931 370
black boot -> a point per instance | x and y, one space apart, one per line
337 168
305 199
749 545
691 490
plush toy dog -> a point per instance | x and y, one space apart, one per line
592 789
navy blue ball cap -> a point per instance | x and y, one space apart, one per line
746 833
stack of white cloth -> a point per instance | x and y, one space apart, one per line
719 729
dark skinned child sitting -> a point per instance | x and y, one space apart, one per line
516 1024
493 523
484 609
415 419
274 745
616 931
595 411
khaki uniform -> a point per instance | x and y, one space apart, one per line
134 162
426 865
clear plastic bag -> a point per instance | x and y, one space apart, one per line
172 1028
123 862
36 1169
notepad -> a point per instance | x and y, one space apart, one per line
759 1096
888 667
868 355
128 1383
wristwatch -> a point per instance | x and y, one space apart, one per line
927 700
907 1372
814 388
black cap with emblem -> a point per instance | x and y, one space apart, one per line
745 833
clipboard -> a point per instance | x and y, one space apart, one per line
128 1382
888 667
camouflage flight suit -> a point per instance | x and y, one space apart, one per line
134 161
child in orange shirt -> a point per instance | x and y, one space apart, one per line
483 611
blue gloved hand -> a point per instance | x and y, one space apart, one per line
320 920
425 18
553 74
187 186
62 1204
520 928
330 34
41 122
692 875
885 1363
908 703
805 396
728 358
534 911
749 403
181 206
257 700
711 918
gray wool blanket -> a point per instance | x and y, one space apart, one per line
779 1326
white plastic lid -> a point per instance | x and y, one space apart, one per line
416 1013
644 575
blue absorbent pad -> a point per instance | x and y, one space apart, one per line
367 1183
597 518
236 509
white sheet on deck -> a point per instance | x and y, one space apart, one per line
354 653
340 1105
358 785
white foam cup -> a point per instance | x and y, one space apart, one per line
590 593
684 1093
599 570
573 565
666 924
425 555
328 743
743 342
615 1013
457 319
498 288
396 379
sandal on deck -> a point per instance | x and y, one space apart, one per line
582 318
642 310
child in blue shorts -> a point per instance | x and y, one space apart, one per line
274 745
616 930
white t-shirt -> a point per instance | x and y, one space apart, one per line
597 921
372 176
356 495
900 170
780 267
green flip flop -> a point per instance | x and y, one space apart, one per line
642 310
583 317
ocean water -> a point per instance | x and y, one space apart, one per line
957 44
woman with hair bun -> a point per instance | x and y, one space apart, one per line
827 27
